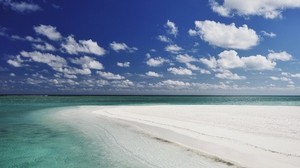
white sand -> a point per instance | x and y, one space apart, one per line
246 136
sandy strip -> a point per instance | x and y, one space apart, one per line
175 135
248 136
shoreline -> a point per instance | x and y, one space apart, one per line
234 135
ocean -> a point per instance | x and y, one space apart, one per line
28 138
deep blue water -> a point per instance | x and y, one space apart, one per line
26 141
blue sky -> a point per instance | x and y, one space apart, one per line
150 47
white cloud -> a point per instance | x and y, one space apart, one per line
226 36
22 7
110 76
122 46
154 62
87 62
163 38
229 75
231 60
123 64
287 75
57 63
16 62
210 62
27 38
297 75
83 46
53 61
31 39
269 9
282 56
283 79
204 71
153 74
185 58
258 62
221 10
172 29
122 83
45 47
73 71
192 32
180 71
173 83
192 67
268 34
173 48
70 76
278 78
48 31
12 74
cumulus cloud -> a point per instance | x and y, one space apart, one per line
231 60
110 76
155 62
211 62
297 75
122 83
192 67
123 64
87 62
173 48
48 31
153 74
44 47
53 61
280 78
27 38
69 71
163 38
173 83
31 39
286 75
122 47
180 71
171 28
83 46
196 68
269 9
192 32
258 62
283 79
225 36
185 58
56 62
21 7
16 62
204 71
282 56
226 74
221 10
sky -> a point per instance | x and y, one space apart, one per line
138 47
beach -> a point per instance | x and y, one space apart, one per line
192 135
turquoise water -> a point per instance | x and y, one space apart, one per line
28 139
